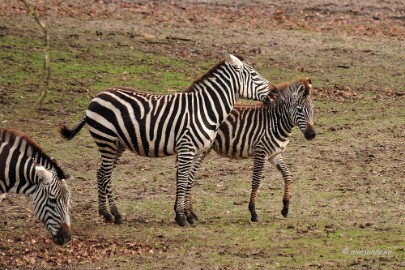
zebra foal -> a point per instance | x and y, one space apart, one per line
26 169
156 125
262 132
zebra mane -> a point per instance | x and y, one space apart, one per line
206 75
285 88
37 152
209 73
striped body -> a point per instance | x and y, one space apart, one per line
26 169
162 125
262 132
152 125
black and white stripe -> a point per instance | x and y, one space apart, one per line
161 125
26 169
262 132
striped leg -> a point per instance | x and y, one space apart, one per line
113 207
104 182
258 166
185 160
108 162
278 162
188 202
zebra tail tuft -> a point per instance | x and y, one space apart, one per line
68 133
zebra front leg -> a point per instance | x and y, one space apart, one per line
188 202
258 166
278 162
183 171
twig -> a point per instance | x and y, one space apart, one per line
47 66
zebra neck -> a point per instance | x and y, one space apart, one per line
21 178
281 115
219 93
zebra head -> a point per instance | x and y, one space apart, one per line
252 84
302 108
51 204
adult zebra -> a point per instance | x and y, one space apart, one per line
262 132
156 125
26 169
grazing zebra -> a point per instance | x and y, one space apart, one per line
156 125
26 169
262 132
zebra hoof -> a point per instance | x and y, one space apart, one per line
254 218
108 218
118 220
284 212
181 220
191 220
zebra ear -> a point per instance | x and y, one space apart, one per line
43 174
233 60
54 160
301 90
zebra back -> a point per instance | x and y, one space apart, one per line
157 124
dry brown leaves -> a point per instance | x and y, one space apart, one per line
23 252
342 94
376 19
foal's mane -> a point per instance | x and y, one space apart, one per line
305 81
13 135
283 89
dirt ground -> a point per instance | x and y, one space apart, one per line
348 188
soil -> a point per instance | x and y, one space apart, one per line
348 183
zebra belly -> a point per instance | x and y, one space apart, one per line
233 150
140 141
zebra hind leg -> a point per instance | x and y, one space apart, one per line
102 178
104 188
113 207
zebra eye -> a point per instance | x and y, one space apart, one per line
52 200
299 109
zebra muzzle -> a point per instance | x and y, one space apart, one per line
63 236
310 132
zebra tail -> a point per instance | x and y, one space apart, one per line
68 133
